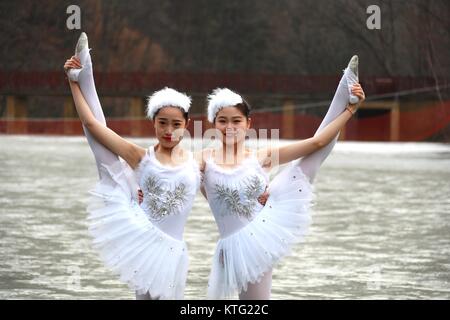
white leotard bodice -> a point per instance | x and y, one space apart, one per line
169 192
233 193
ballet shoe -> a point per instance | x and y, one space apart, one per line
81 44
353 64
352 77
82 53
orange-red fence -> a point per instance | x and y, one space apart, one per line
417 125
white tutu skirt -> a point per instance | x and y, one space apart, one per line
146 258
244 256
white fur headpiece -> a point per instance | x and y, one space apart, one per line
221 98
165 98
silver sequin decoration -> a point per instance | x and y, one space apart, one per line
160 203
253 187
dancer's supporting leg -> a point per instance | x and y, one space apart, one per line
311 163
260 290
86 82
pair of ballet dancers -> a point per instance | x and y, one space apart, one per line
141 237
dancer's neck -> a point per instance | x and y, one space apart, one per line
163 150
170 156
231 154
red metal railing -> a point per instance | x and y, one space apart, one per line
417 125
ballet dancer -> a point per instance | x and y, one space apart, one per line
253 238
142 243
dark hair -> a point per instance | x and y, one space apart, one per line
244 107
185 114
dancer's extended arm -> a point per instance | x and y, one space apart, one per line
313 151
305 147
128 151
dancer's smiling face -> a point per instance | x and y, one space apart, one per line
233 123
170 123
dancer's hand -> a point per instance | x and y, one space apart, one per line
357 90
72 63
263 197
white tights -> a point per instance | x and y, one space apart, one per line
260 290
312 162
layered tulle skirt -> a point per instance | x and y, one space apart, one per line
244 256
146 258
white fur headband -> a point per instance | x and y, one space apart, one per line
221 98
165 98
